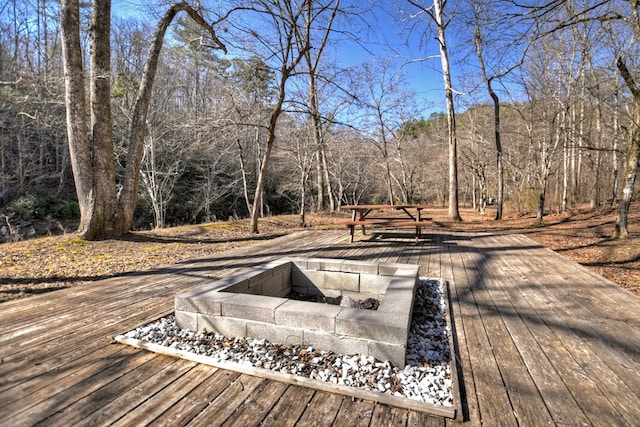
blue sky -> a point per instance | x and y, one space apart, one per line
382 35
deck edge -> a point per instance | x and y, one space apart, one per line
400 402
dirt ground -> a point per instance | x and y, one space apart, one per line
49 263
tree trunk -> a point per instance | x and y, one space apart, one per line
387 169
129 192
104 172
540 214
91 150
327 180
323 186
496 123
262 176
243 172
614 154
75 100
271 138
565 174
454 213
633 156
303 197
631 172
596 162
289 41
316 124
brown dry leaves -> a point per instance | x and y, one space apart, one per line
50 263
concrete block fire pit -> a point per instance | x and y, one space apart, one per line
255 303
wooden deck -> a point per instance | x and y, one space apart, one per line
542 341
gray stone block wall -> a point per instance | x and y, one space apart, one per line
252 303
226 326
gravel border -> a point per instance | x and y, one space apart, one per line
425 378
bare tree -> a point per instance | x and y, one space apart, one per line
162 166
313 59
286 47
551 17
633 154
484 16
300 152
352 167
383 100
437 15
105 213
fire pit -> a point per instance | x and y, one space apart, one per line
254 303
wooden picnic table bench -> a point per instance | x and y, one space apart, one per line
411 216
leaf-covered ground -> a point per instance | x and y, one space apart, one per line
50 263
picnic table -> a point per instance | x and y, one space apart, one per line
386 216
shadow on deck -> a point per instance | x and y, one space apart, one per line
541 341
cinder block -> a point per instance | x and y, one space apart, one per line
274 285
275 334
301 263
394 353
392 269
309 315
186 320
406 270
374 283
361 267
236 278
252 290
342 281
279 264
260 276
230 307
329 264
335 343
372 325
284 272
208 303
312 264
240 287
251 307
286 280
306 278
399 296
226 326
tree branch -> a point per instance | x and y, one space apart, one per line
628 78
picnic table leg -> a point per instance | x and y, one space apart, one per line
352 228
361 215
418 229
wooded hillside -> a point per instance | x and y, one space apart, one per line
547 100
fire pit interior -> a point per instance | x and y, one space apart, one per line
254 303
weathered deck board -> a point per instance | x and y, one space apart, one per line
600 390
528 406
541 341
492 397
522 323
290 407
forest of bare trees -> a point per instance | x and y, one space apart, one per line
252 113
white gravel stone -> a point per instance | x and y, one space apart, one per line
426 377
